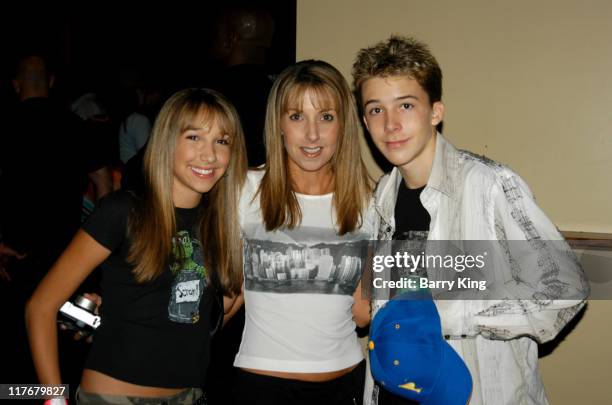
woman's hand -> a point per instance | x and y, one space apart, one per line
231 305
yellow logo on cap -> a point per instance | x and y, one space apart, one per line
371 345
412 387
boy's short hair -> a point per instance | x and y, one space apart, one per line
399 56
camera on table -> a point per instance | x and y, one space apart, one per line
79 316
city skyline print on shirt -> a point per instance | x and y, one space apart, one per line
295 267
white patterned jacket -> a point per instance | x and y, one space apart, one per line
470 197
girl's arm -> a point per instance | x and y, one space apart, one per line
80 258
231 305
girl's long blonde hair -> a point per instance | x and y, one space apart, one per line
153 224
352 185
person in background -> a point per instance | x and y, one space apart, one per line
134 126
45 166
242 37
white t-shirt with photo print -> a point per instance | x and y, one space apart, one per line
298 288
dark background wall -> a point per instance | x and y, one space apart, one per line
95 48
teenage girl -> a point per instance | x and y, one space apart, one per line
170 263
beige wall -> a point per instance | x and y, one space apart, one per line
578 371
528 83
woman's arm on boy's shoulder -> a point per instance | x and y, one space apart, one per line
80 258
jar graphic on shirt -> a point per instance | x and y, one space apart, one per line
189 279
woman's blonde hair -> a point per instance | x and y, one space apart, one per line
153 225
352 185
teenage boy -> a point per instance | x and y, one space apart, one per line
438 192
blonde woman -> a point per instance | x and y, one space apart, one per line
305 229
166 259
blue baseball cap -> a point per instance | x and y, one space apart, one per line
409 356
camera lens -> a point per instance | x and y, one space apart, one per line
84 303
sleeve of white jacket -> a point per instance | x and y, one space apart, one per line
533 263
538 267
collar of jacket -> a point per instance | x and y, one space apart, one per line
443 179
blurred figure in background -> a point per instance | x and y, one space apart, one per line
98 128
243 36
134 125
151 98
45 165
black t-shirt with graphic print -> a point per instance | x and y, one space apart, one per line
411 227
411 218
154 333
